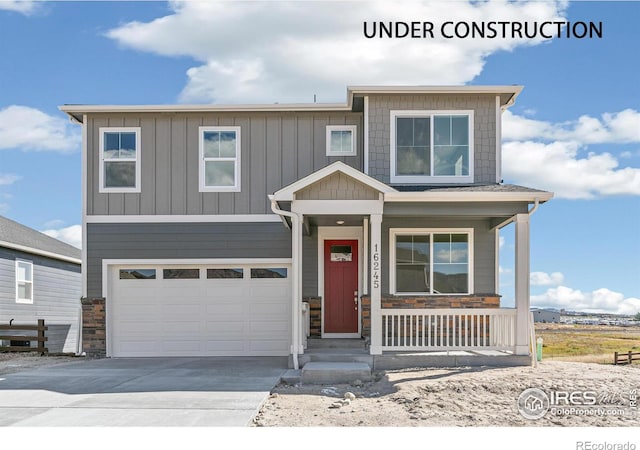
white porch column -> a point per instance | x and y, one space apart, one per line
376 282
522 284
298 300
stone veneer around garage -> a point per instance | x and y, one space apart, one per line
94 342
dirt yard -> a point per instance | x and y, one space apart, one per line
15 362
456 397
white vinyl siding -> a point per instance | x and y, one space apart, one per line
431 146
120 149
219 156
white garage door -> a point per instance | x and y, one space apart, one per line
179 310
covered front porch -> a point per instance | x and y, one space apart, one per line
340 203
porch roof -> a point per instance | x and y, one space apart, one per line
286 194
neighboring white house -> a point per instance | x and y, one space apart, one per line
546 315
40 279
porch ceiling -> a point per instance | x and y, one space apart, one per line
331 220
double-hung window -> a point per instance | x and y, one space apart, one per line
429 262
219 154
120 159
24 281
341 140
431 146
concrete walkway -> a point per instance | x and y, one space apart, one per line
136 392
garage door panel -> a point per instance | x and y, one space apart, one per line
199 317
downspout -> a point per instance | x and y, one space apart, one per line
295 230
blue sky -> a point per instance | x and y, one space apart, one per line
574 130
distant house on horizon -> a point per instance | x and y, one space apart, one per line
40 278
545 315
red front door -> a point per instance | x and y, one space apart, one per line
341 286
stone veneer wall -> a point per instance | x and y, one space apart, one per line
315 315
94 322
424 302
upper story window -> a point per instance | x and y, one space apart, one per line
24 281
219 154
431 146
120 159
341 140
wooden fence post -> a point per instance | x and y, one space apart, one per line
41 336
615 358
630 358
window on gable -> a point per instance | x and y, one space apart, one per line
120 159
431 146
24 282
219 159
430 262
341 140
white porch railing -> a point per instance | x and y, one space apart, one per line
448 329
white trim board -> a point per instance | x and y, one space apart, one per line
226 218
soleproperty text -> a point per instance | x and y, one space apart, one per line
482 30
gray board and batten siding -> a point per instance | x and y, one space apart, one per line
277 148
167 241
484 132
56 297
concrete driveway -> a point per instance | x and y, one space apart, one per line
159 392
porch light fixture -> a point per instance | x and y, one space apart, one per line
340 222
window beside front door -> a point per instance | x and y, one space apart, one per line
431 146
430 261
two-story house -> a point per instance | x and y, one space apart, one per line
242 229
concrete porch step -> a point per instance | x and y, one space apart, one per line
335 372
317 343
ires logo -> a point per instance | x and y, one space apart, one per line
534 403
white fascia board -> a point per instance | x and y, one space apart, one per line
75 112
464 89
35 251
193 218
286 193
427 196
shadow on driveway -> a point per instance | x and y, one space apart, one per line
216 391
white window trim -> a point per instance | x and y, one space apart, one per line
393 232
18 281
137 159
354 145
201 160
431 179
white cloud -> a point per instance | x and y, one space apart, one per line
546 279
501 242
71 235
600 300
554 156
288 51
619 127
8 178
25 7
25 128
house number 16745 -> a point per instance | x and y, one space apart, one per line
376 267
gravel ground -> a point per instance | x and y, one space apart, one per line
16 362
